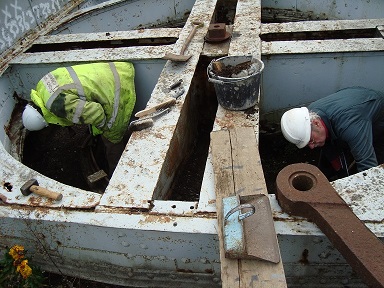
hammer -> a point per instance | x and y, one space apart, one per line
32 186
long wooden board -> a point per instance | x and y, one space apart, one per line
238 171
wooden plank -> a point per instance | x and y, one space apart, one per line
250 180
238 170
247 169
224 186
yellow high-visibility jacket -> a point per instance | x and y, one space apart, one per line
100 94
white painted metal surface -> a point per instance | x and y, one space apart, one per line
132 235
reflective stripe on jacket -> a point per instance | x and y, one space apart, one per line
100 94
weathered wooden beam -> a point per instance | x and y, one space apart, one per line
238 171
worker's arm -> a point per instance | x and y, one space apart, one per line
360 140
71 107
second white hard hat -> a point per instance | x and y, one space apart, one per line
296 126
32 119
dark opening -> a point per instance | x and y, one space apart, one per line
189 175
276 153
57 153
225 12
320 35
101 44
302 183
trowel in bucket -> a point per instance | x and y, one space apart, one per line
248 228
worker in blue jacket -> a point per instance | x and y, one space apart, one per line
352 117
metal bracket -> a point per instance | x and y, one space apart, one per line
250 234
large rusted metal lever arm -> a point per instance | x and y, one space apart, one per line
303 190
358 245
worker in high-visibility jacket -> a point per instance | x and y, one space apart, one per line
99 94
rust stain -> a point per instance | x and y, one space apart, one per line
160 135
38 201
304 257
3 198
151 218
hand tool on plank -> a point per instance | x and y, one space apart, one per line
166 104
181 57
32 186
145 122
175 84
303 190
175 94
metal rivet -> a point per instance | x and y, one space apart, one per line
125 243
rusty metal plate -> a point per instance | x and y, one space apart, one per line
248 228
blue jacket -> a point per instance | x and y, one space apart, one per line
350 115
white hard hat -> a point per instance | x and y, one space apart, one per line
296 126
32 119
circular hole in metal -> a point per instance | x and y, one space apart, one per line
302 183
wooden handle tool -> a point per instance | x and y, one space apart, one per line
32 186
162 105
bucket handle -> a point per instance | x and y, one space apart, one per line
213 80
220 82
